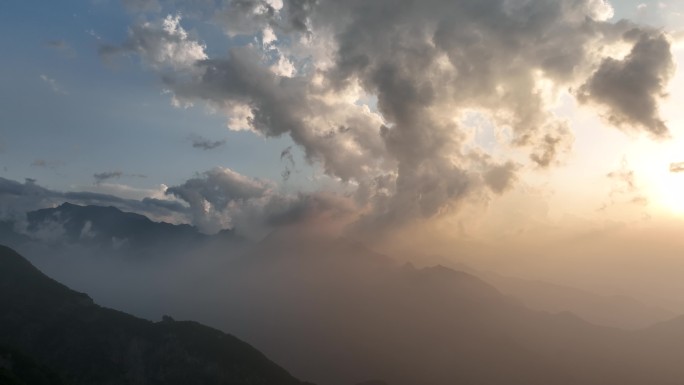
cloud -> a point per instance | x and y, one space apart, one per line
18 198
206 144
222 198
102 177
299 13
214 200
220 186
624 188
94 34
248 17
51 164
214 194
630 88
625 177
58 44
162 44
287 157
380 88
61 46
500 178
107 175
677 167
245 17
56 87
318 211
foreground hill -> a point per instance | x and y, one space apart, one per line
18 369
90 345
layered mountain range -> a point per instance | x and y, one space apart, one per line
328 310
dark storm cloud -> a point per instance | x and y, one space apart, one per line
299 12
630 88
288 159
500 178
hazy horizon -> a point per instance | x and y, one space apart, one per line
531 149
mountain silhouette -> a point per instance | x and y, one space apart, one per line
89 344
17 368
102 224
361 316
618 311
335 312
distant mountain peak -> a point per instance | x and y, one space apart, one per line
108 227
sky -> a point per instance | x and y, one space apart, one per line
460 121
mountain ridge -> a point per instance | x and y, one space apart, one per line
94 345
354 314
108 228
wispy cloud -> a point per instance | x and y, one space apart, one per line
54 85
107 175
624 188
162 44
43 163
288 159
102 177
61 46
677 167
94 34
206 144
